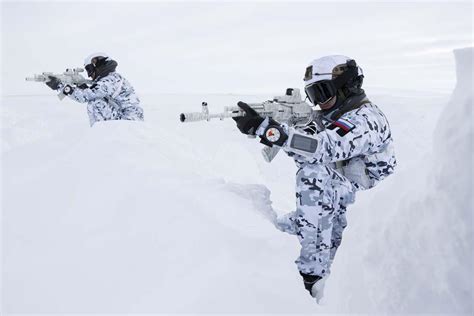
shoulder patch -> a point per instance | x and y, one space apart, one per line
343 126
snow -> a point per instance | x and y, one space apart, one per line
130 217
411 239
163 216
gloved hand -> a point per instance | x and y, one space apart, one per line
53 82
249 123
309 281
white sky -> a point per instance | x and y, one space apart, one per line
246 47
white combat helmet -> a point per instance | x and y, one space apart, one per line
325 67
89 58
332 75
91 67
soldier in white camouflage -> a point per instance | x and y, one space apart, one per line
347 147
110 97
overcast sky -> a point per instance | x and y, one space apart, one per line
228 47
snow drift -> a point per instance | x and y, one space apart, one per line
409 249
131 217
435 265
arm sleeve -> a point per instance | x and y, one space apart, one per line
100 90
345 138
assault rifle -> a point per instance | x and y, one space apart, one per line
289 109
69 77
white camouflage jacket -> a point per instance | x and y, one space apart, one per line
113 86
109 98
358 144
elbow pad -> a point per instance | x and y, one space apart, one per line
301 144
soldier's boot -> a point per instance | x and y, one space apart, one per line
315 285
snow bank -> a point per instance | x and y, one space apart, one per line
408 247
452 190
129 217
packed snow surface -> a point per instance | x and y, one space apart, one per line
163 216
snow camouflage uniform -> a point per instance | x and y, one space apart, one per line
110 98
354 152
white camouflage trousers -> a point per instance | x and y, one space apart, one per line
322 195
101 110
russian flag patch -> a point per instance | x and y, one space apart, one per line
343 126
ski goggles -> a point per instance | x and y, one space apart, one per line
321 92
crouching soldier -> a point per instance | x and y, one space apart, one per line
347 147
109 97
